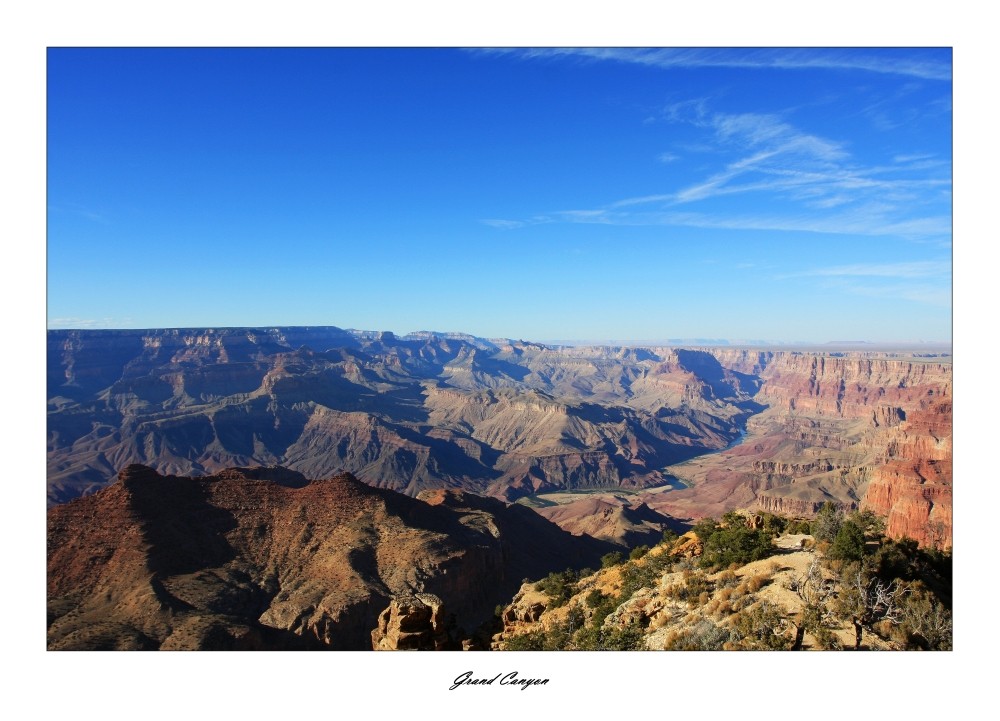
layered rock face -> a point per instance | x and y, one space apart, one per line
504 418
858 430
512 419
264 559
913 486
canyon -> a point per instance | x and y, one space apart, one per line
866 431
320 488
778 430
500 418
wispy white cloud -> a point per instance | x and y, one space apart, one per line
909 270
504 224
931 295
921 291
871 220
800 180
808 183
927 282
643 199
79 211
71 323
779 158
922 64
75 323
912 157
585 216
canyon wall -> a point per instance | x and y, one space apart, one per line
857 430
505 418
410 413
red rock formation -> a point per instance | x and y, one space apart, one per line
849 387
912 487
263 558
857 430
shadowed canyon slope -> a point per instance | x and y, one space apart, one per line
264 559
423 411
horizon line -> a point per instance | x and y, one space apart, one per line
579 342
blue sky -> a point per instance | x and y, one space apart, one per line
542 194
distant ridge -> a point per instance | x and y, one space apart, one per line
510 419
425 410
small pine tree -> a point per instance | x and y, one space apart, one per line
849 543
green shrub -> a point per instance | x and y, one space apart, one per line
904 559
531 641
630 638
612 559
604 608
695 587
697 584
705 528
870 522
558 586
635 577
597 638
558 638
774 525
638 552
658 563
737 544
798 527
849 543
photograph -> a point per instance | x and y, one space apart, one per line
516 348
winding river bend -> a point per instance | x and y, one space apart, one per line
626 495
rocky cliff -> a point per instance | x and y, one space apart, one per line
857 430
264 559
